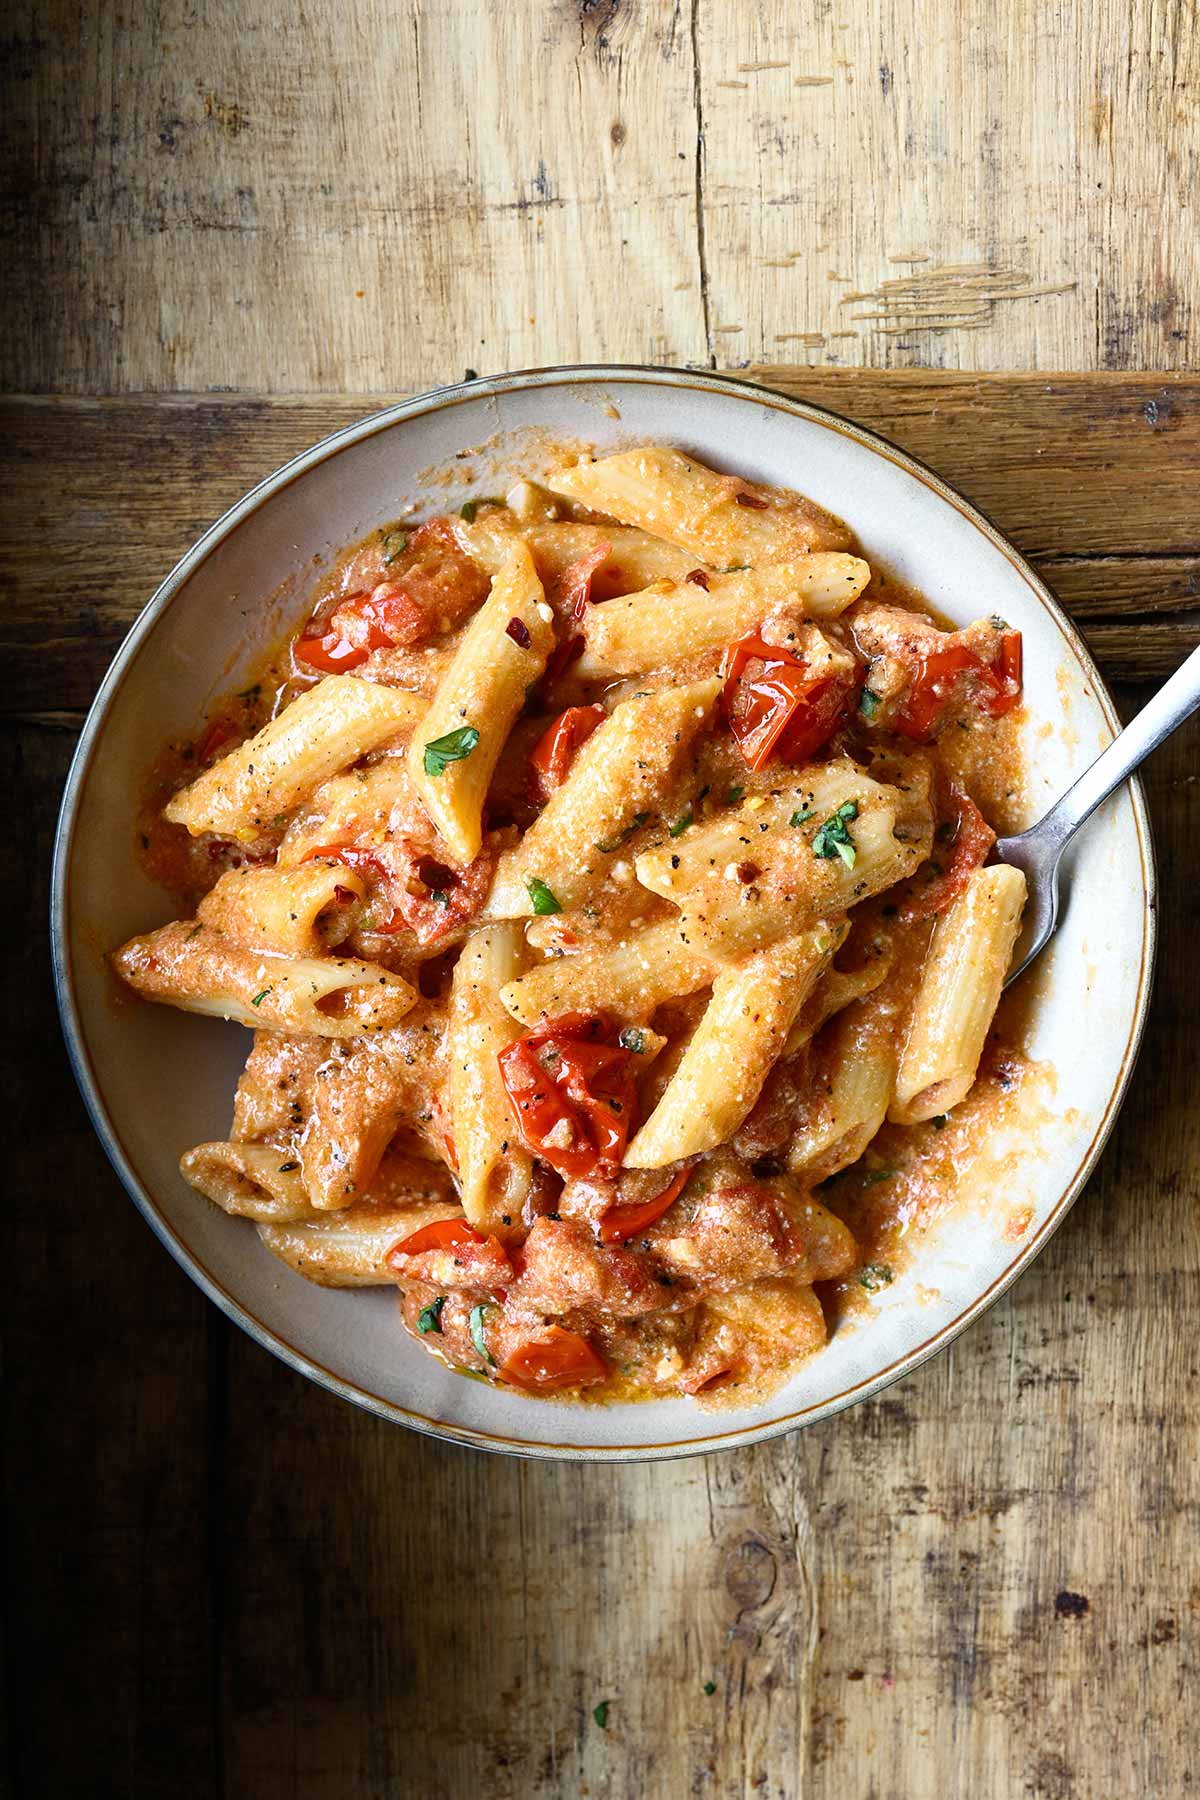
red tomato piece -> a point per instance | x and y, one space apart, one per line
330 653
970 841
554 1359
555 750
573 1092
1004 676
451 1252
775 706
620 1223
936 673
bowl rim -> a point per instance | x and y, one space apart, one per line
437 399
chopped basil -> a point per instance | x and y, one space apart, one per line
259 998
440 897
710 1687
454 747
868 703
802 816
430 1317
939 1124
635 824
395 543
467 511
682 822
877 1175
734 795
834 839
633 1039
600 1714
541 897
875 1276
477 1337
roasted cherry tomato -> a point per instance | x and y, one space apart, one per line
554 1359
776 706
573 1092
556 748
936 673
451 1252
963 844
620 1223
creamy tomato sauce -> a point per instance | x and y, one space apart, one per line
575 1266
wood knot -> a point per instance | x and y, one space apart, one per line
751 1572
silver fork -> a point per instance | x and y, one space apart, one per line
1038 851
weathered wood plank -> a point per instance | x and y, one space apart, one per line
968 187
358 199
1094 479
110 1543
234 196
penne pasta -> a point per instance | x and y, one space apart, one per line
503 651
759 872
968 958
616 781
285 912
594 782
323 730
720 518
201 970
494 1168
744 1028
629 978
682 617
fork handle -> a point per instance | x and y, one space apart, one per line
1174 702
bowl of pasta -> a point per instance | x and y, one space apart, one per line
524 925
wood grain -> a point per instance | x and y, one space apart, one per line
1093 477
358 199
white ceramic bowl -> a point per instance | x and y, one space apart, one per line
157 1081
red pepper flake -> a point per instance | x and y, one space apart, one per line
698 577
753 500
518 632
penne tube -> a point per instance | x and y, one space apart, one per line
349 1249
968 958
721 518
494 1167
285 912
453 755
629 979
323 730
853 1072
635 558
769 868
673 619
615 783
744 1028
357 808
201 970
777 1307
249 1181
833 993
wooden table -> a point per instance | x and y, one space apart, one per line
222 1581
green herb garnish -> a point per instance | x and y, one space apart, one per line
682 822
875 1276
430 1317
454 747
600 1714
635 824
803 816
877 1175
440 897
477 1337
834 839
734 795
710 1687
939 1124
542 899
395 543
259 998
633 1039
869 703
467 511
